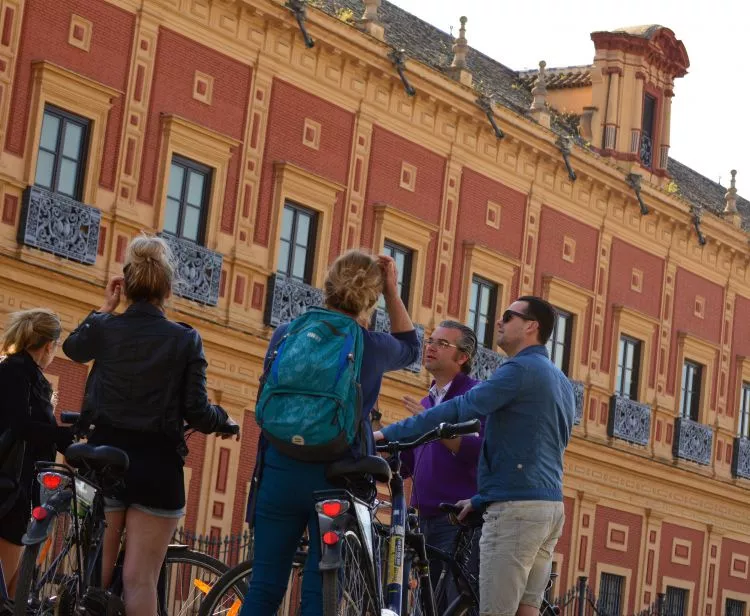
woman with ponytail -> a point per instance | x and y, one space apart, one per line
148 380
28 430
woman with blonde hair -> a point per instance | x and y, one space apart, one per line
280 515
28 430
148 380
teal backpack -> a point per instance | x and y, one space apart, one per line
310 403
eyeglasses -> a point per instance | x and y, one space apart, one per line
440 342
509 314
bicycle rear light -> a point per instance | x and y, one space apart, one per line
330 538
50 484
51 481
332 508
39 513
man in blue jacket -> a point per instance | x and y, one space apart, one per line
529 406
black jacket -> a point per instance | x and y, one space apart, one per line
26 411
149 373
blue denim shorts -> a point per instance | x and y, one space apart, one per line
112 504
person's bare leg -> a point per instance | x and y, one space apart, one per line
111 545
147 539
10 556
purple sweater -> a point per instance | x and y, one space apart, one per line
439 476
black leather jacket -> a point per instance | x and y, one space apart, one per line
149 373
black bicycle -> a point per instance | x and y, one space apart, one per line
61 566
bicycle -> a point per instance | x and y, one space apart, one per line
60 570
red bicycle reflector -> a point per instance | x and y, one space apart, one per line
330 538
51 481
331 508
39 513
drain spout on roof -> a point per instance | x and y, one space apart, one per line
300 14
634 181
398 59
485 104
697 217
565 143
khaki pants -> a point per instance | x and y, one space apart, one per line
515 551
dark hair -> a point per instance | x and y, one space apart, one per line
543 312
467 343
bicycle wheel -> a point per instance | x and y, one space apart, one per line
48 574
227 595
348 591
187 578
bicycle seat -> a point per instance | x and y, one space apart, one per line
369 465
96 458
473 520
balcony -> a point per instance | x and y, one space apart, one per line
741 458
646 154
629 420
60 225
692 441
485 363
197 270
288 298
578 392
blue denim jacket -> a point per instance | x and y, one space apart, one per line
529 408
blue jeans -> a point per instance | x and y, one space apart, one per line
284 508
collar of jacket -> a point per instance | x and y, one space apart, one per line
147 308
460 384
534 349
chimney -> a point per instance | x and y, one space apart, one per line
539 109
457 69
730 202
370 22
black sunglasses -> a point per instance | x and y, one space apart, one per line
509 314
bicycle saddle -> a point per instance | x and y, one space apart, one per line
369 465
96 458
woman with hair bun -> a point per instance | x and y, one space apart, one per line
148 380
28 430
280 515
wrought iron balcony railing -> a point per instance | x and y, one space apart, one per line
578 391
485 363
197 270
288 298
647 153
60 225
693 441
629 420
741 457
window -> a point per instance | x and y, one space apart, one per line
745 411
676 601
61 161
482 310
187 199
628 367
734 607
558 345
297 243
647 129
403 258
691 390
610 594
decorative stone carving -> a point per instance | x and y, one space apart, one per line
288 298
578 391
381 323
60 225
692 441
629 420
741 458
485 363
197 270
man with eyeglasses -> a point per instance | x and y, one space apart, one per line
444 471
529 407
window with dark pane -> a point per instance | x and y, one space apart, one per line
482 302
735 607
691 390
187 199
558 345
628 367
297 242
745 410
63 145
611 589
676 601
648 122
403 257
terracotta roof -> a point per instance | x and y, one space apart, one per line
559 78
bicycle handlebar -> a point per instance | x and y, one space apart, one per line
443 431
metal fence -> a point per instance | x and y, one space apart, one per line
229 549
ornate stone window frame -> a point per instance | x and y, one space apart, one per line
629 322
614 570
490 265
684 585
295 184
743 376
54 85
732 594
574 300
184 138
705 353
411 232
